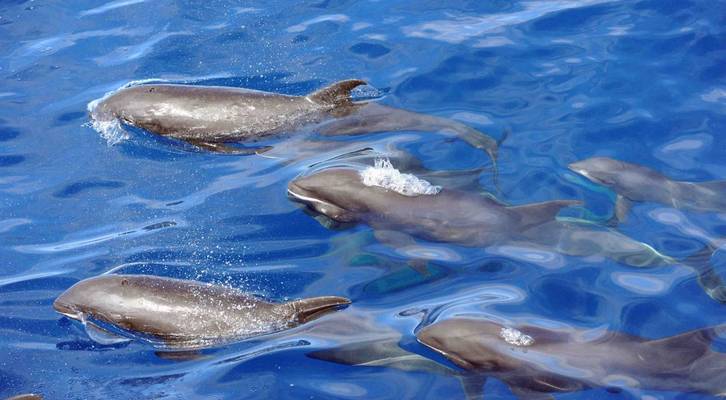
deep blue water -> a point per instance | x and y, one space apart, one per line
642 81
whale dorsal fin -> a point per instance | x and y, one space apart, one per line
538 213
311 308
337 94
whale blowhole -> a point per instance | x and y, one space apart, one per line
516 337
383 174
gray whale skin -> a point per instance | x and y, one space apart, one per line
184 314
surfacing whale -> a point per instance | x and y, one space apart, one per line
636 183
209 116
471 219
183 314
535 362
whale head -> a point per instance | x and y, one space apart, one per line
90 295
475 345
602 170
335 193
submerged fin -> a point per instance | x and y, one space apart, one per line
526 394
473 385
622 207
312 308
689 345
716 186
708 278
337 94
102 336
187 355
223 148
539 213
398 240
458 179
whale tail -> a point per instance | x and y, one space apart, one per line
315 307
337 94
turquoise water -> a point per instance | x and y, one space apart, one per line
642 81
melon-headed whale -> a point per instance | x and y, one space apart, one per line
471 219
183 314
636 183
535 362
210 116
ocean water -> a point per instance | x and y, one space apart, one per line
642 81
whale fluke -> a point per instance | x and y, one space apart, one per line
337 94
309 309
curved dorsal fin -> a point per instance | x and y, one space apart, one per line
336 94
313 307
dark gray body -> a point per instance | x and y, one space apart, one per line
450 216
181 313
471 219
209 116
565 361
636 183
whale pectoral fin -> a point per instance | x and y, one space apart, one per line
526 394
398 240
223 148
622 207
337 94
473 385
102 336
187 355
394 239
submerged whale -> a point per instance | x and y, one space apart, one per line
400 211
534 361
210 116
183 314
636 183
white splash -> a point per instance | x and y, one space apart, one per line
383 174
515 337
110 129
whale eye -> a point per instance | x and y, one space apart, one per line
124 282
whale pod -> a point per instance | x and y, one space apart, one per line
178 313
472 219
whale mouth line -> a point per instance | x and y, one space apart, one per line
581 171
309 200
67 311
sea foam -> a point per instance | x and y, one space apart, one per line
109 129
382 174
